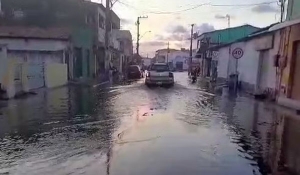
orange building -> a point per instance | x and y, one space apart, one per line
288 61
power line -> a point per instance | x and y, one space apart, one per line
242 5
197 6
164 12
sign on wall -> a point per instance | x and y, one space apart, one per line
215 55
237 53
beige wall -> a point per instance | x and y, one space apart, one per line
289 37
56 75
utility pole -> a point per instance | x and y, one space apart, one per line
138 33
228 18
107 30
282 3
191 47
168 51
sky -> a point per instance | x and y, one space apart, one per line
170 20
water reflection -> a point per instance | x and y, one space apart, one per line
284 152
55 126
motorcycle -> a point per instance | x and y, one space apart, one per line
194 77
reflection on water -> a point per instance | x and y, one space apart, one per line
55 126
76 129
265 135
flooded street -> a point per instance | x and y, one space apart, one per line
133 130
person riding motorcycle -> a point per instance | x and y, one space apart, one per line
194 75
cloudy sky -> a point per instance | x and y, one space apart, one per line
170 20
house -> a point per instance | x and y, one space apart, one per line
124 38
33 58
293 10
288 60
177 59
162 55
87 28
217 37
251 58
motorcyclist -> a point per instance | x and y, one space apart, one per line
194 75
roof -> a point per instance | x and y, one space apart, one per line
261 32
164 50
228 29
284 24
35 33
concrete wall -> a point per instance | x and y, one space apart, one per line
248 66
223 62
3 63
290 36
34 44
55 75
180 56
83 38
101 30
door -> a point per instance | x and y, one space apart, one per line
296 76
35 75
88 62
78 63
263 71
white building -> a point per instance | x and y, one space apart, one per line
177 59
124 38
33 58
252 59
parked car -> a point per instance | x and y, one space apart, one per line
134 71
159 74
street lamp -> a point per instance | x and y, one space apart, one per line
145 34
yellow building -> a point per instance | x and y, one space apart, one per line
288 62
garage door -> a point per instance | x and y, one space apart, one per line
35 75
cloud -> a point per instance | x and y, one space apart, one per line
265 8
218 16
126 21
173 37
154 43
177 37
176 29
159 37
204 27
178 17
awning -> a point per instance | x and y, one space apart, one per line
284 25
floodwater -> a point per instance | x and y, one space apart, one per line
132 130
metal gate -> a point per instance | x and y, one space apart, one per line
35 75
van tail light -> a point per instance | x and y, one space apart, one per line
171 74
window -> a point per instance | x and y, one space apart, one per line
160 67
18 14
89 19
101 21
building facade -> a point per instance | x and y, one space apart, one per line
33 58
87 27
254 66
218 37
293 10
177 59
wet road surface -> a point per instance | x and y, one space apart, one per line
133 130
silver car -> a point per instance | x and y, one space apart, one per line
159 74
